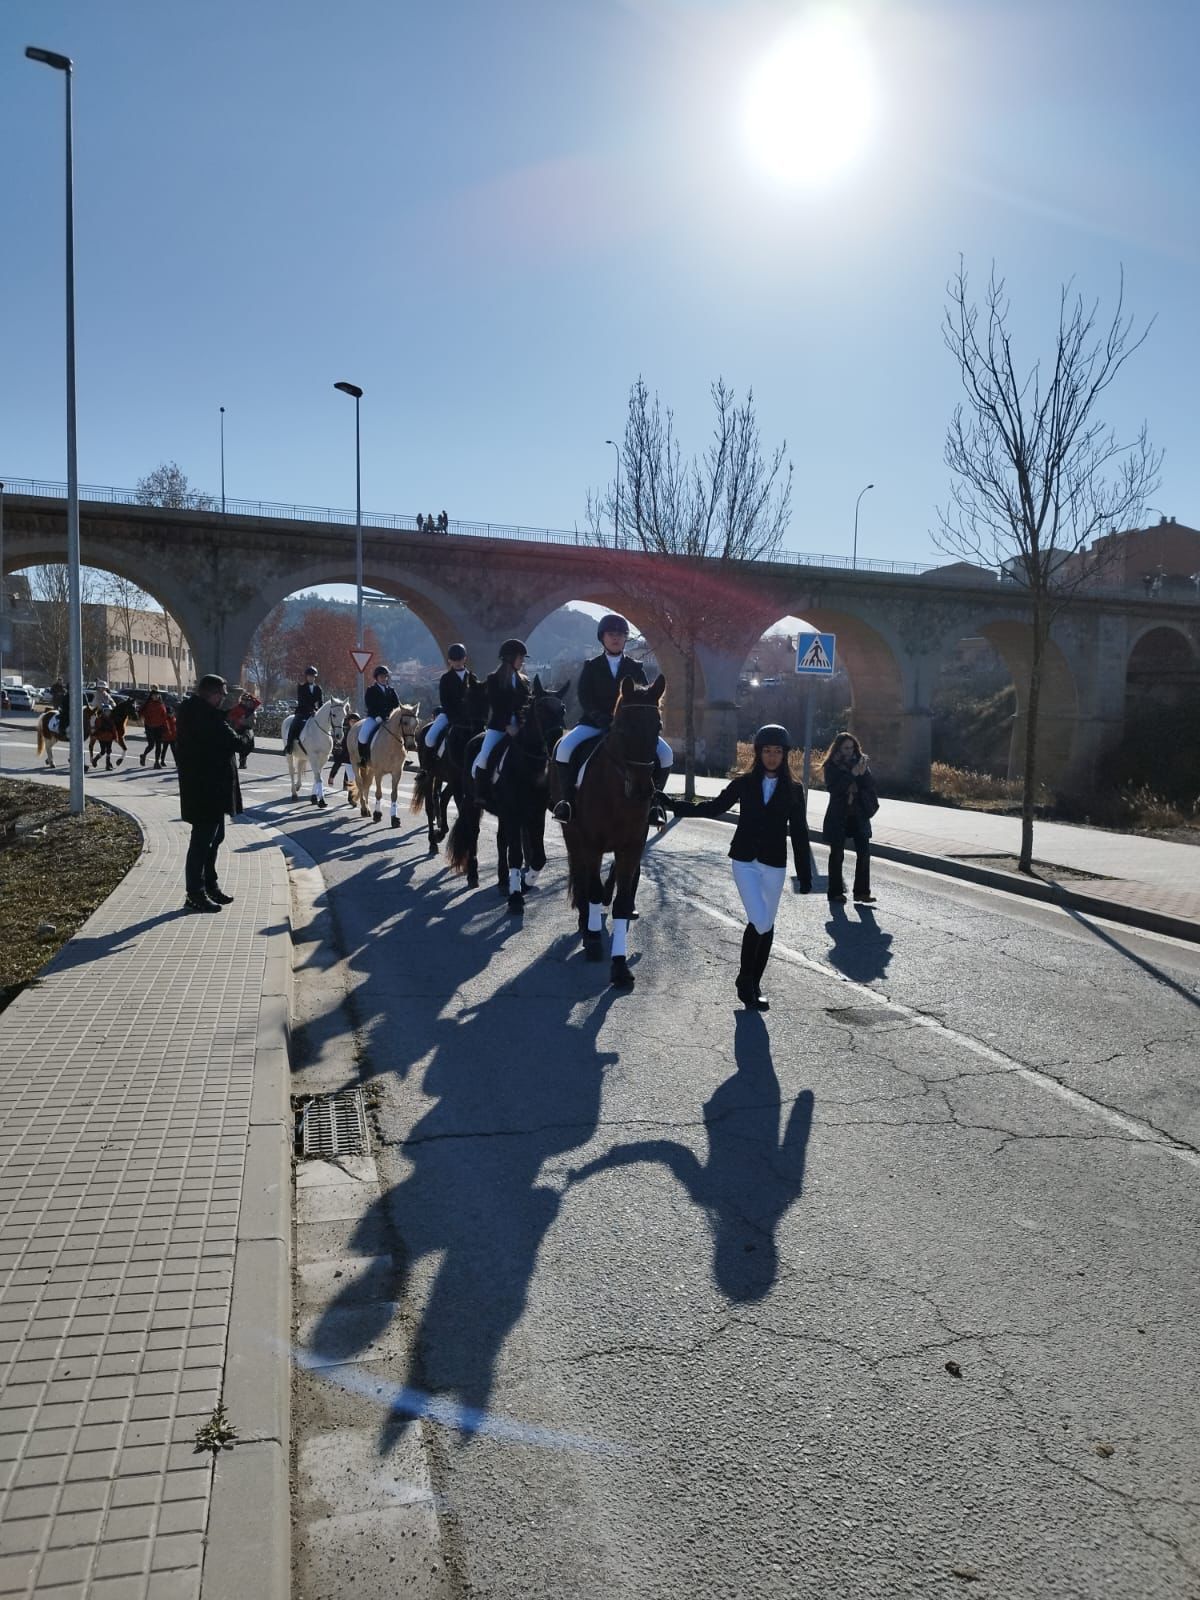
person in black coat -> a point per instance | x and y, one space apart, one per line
852 804
771 810
453 686
381 700
507 691
206 753
599 686
310 697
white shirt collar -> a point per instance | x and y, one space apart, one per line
614 662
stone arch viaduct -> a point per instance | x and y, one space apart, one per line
220 575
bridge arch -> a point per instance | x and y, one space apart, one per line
1058 715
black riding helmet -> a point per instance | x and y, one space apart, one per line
512 648
458 652
772 733
612 623
381 671
310 672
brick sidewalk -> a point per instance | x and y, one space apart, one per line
144 1238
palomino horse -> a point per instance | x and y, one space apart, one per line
519 799
313 745
106 728
389 747
613 813
441 771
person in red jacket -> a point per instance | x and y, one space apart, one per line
154 720
240 717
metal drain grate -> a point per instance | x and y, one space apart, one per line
334 1125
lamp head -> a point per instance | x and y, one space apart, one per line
49 58
350 388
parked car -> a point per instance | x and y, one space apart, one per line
5 703
19 697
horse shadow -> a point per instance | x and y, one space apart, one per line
750 1176
473 1201
862 950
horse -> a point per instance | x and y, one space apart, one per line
612 813
105 728
48 737
440 776
315 741
519 799
388 752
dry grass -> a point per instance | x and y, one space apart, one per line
980 791
55 869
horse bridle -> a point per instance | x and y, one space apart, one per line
623 763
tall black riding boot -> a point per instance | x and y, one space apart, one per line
761 957
564 811
745 985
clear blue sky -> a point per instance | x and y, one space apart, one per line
494 216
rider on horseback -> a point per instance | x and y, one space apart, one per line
309 698
507 691
599 685
452 694
381 700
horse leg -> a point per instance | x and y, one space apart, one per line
395 800
515 855
587 894
377 811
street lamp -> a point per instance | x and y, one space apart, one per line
353 389
50 58
222 460
861 492
617 496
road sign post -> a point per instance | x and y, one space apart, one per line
815 656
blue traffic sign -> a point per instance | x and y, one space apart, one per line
815 654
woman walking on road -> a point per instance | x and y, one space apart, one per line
154 721
770 808
852 804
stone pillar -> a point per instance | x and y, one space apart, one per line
716 710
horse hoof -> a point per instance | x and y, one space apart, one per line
620 974
593 947
377 816
516 903
472 880
395 822
322 803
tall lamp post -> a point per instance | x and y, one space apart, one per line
861 492
353 389
3 600
62 64
617 496
222 460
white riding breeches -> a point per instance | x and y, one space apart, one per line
760 887
571 742
366 729
436 729
491 739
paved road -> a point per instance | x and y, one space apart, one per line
684 1283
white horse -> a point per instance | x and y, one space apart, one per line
390 744
313 746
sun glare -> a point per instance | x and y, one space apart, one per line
811 104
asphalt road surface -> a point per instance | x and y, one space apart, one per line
891 1291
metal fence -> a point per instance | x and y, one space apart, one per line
402 523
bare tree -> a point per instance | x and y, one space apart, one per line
729 504
130 603
266 663
168 485
1037 474
49 588
172 636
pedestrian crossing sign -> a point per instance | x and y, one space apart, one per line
815 654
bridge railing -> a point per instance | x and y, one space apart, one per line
403 523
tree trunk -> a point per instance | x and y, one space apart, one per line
689 720
1030 776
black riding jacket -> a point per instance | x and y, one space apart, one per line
507 692
452 692
381 701
309 698
599 687
763 829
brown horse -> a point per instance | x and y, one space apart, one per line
612 813
441 772
105 728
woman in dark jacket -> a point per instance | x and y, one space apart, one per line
852 804
770 809
507 691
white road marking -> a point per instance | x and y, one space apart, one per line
1131 1127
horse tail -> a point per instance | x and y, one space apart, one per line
464 835
422 789
41 744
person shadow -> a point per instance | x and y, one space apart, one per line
750 1176
861 949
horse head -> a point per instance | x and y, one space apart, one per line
546 717
409 718
636 725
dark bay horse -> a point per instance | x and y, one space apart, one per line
441 772
612 813
104 728
519 799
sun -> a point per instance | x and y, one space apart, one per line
811 104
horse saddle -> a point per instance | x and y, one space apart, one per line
582 754
52 724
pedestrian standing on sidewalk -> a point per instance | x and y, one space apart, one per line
154 719
852 803
770 809
208 788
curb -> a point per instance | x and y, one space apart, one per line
248 1548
